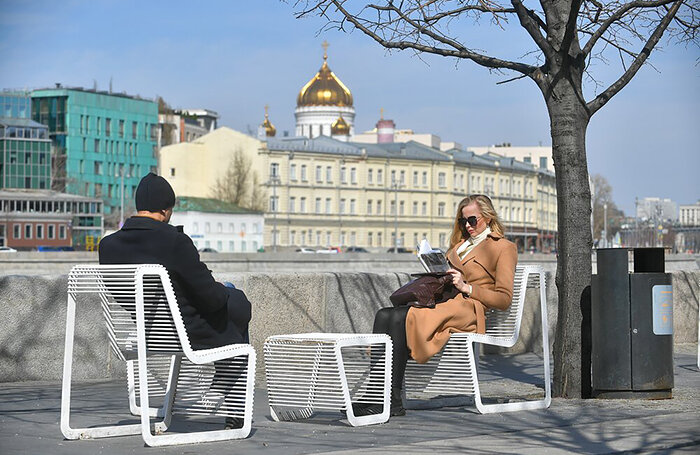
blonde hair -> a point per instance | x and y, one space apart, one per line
487 211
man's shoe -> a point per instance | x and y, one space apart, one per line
233 423
395 409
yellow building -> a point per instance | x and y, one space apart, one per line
322 188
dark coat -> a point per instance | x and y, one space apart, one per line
214 314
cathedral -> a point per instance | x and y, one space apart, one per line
324 107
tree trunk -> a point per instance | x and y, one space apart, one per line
569 121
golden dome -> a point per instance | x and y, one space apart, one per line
270 129
340 127
324 89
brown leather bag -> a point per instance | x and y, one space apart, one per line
427 290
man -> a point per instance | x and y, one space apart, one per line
214 314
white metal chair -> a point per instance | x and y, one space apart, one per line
311 371
453 371
146 329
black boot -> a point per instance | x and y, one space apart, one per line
395 408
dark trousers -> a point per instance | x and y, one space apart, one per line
392 321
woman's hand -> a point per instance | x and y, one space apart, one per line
458 280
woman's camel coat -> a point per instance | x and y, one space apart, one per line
490 269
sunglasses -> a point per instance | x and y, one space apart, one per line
472 220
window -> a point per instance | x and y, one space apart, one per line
343 178
219 228
40 231
392 207
231 245
425 178
274 170
443 239
319 174
292 237
62 231
50 231
379 239
415 178
231 228
207 227
97 146
195 227
98 167
243 228
329 174
328 205
543 162
292 172
369 176
401 207
134 130
369 207
302 205
415 208
369 239
121 128
172 172
393 177
352 206
441 180
341 208
99 125
274 203
379 207
441 209
303 172
292 203
353 176
317 205
27 231
108 126
380 177
16 231
402 179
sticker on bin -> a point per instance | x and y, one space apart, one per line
662 308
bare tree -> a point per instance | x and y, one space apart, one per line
239 184
602 196
565 35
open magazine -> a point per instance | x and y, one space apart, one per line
433 259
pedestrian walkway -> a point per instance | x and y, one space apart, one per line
30 412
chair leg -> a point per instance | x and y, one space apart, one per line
371 419
66 429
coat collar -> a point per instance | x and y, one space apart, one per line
453 257
145 223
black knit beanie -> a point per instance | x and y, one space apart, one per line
154 193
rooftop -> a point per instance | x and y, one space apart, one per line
198 204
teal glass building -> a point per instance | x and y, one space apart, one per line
100 140
25 154
15 104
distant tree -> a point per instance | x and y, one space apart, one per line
240 184
602 194
565 37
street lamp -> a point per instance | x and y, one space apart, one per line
605 224
274 181
396 185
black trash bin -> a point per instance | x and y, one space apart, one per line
631 325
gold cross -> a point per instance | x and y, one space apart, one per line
381 113
266 108
325 45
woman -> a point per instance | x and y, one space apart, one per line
483 264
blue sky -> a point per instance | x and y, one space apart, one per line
235 57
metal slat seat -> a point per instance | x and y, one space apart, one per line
329 371
145 329
453 371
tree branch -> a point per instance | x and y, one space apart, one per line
459 51
616 16
570 30
618 85
532 28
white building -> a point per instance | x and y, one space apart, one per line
657 209
540 156
689 215
219 225
324 105
185 125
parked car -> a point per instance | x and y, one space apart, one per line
305 250
400 250
329 250
55 248
356 249
7 249
207 250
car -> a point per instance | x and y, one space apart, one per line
330 250
55 248
356 249
400 250
305 250
207 250
7 249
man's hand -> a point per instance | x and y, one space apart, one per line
458 281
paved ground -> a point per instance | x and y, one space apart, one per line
30 412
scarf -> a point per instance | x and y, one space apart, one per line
471 243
